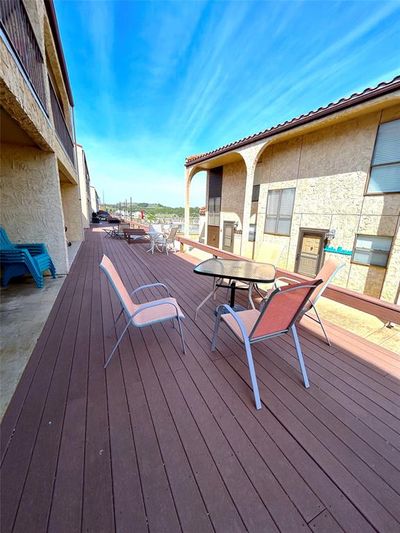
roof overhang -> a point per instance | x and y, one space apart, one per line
367 101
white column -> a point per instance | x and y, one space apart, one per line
188 179
249 156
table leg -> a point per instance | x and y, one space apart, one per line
207 297
233 291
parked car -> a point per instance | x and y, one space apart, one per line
103 215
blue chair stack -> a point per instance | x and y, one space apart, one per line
19 259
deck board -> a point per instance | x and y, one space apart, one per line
172 442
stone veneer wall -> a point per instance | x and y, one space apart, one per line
31 200
329 169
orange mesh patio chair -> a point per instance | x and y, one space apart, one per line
141 315
328 271
277 317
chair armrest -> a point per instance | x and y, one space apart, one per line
33 248
156 303
284 278
142 287
235 316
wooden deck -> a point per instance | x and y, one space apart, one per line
166 442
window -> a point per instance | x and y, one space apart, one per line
252 233
279 211
256 193
214 208
372 250
385 167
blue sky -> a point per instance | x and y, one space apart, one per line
154 82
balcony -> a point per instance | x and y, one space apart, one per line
20 35
60 125
168 442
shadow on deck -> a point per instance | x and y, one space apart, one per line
170 442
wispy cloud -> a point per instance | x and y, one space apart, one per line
155 81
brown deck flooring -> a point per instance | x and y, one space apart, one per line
166 442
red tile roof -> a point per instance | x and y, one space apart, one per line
344 103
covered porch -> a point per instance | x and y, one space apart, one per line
168 442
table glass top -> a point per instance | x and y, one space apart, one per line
241 270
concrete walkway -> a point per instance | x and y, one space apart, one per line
23 312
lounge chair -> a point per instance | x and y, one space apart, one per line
277 317
141 315
19 259
326 274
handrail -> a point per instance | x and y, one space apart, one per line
386 311
60 125
19 32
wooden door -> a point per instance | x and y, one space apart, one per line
213 236
228 236
310 252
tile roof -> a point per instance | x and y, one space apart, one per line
333 107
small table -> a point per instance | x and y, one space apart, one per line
234 270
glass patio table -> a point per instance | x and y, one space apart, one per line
234 270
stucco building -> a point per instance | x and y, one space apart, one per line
322 184
39 183
84 186
94 200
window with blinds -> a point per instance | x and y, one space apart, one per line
279 211
372 250
385 167
214 210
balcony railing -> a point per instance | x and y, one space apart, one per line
61 126
18 30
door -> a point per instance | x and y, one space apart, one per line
214 205
310 252
228 236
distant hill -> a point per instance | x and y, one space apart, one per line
151 208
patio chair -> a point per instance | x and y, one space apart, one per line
19 259
277 317
141 315
166 242
326 274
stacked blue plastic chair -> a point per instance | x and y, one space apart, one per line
19 259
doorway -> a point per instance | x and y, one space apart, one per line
228 236
310 251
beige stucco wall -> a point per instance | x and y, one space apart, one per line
232 200
329 169
31 200
84 187
71 206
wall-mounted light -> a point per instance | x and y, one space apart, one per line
330 235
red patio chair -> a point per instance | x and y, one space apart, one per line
141 315
277 317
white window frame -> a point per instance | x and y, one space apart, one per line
387 164
278 216
371 250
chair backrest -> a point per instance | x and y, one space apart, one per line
5 242
172 234
328 271
117 284
155 228
270 253
283 308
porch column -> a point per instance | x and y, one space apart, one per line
249 155
188 179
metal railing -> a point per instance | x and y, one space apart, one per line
19 32
61 126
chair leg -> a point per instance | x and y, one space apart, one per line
253 376
251 302
300 356
322 326
215 335
117 344
181 334
205 300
